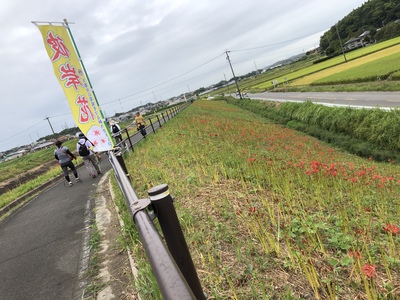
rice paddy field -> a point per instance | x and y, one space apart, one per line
270 213
366 68
305 72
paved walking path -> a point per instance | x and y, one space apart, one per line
44 244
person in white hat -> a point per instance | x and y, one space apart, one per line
115 131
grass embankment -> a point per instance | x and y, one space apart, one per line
270 213
367 133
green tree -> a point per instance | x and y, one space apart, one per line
372 15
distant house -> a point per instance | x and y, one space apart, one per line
358 42
44 145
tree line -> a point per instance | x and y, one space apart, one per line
379 17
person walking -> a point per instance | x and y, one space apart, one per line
64 157
89 157
115 131
140 124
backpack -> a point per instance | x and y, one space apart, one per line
83 150
115 129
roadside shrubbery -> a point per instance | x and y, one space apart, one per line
365 132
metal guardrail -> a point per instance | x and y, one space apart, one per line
129 141
171 263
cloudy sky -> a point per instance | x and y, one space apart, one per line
138 51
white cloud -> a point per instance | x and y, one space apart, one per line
130 48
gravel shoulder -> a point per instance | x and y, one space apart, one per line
115 270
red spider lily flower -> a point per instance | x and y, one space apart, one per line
369 271
361 173
252 210
251 159
238 212
354 180
393 229
359 231
355 254
367 209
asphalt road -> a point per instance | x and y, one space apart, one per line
361 99
44 244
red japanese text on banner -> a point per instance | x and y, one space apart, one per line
72 78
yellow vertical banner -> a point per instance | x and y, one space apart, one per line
71 75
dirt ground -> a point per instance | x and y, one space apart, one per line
25 177
115 275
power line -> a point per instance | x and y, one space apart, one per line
172 79
275 44
150 88
14 135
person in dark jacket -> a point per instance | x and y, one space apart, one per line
64 156
89 159
115 131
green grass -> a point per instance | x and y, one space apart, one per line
270 213
379 69
303 68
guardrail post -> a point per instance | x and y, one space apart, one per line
129 139
169 278
121 161
162 114
151 124
169 223
159 122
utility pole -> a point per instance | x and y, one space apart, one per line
340 41
154 96
48 120
256 67
234 77
227 85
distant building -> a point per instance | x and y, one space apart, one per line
358 42
45 145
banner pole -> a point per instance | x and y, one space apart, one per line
84 69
